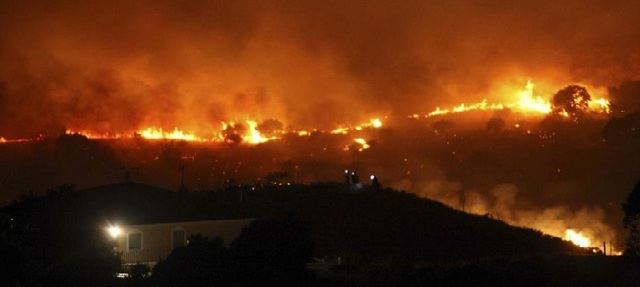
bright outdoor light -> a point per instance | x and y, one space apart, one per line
114 231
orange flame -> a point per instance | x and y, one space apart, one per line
363 143
176 134
577 238
526 103
253 136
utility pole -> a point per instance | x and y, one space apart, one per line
182 188
182 175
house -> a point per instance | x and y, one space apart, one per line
156 223
148 243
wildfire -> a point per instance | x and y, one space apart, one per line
376 123
340 130
600 105
93 135
577 238
176 134
249 133
482 106
253 136
526 103
363 144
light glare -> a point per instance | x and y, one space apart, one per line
114 231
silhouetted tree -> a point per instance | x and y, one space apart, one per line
572 99
61 240
631 221
274 251
233 134
267 251
203 262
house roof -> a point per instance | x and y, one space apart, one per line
221 221
137 203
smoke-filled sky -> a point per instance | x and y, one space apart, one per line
116 66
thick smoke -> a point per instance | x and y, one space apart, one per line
503 202
114 66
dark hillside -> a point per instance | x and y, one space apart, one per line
367 224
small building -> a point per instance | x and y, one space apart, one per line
148 243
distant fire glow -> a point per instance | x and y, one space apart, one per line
577 238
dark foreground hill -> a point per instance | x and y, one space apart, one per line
363 225
383 237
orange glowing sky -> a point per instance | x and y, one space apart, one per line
120 67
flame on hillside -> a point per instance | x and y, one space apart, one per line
363 144
577 238
249 132
526 102
176 134
253 136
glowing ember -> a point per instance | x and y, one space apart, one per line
577 238
340 130
376 123
363 143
